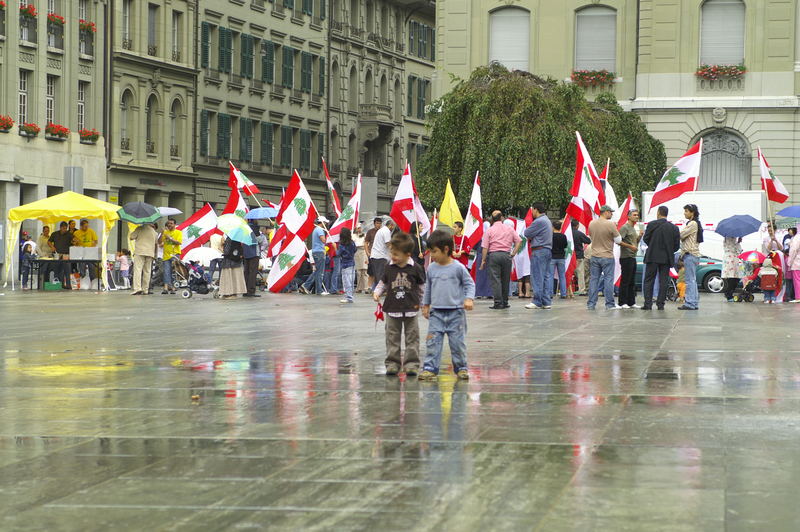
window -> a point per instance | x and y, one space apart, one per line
352 90
245 139
152 29
176 35
422 31
124 118
726 161
412 82
422 89
322 75
305 72
175 128
370 16
151 124
51 6
247 55
50 100
305 149
286 146
722 32
83 90
126 24
369 88
412 37
398 101
225 50
23 97
266 143
204 132
205 44
509 38
223 136
596 39
336 96
288 67
83 9
354 13
268 62
308 7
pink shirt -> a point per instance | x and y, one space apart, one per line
499 237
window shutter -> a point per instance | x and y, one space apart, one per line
305 72
286 146
203 132
289 4
322 74
320 148
243 58
243 139
288 67
228 135
268 62
596 39
221 55
205 36
432 39
266 143
423 37
308 7
410 96
220 135
322 9
509 37
420 98
412 37
305 149
722 32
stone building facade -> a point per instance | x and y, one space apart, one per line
655 49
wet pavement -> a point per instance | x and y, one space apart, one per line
156 413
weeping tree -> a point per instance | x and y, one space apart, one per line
519 131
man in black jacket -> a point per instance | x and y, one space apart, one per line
663 239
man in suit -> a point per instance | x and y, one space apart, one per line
663 239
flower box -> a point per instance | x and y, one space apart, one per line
592 78
715 72
86 26
29 130
89 136
57 20
56 131
28 11
6 123
2 5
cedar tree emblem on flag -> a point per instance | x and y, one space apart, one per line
193 231
300 205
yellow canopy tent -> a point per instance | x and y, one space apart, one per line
61 207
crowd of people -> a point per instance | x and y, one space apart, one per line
56 247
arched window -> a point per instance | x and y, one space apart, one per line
175 128
352 153
722 32
369 89
151 124
352 90
354 14
398 101
336 96
125 119
384 91
370 16
596 39
510 38
726 161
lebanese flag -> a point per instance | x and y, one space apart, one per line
276 243
286 264
769 183
521 262
237 180
198 228
434 220
236 204
473 225
349 216
407 208
571 260
680 178
623 214
337 205
586 189
268 203
298 212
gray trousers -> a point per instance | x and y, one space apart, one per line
142 269
396 328
500 275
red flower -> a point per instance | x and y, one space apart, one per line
6 122
86 26
89 134
28 11
56 130
2 4
56 19
30 128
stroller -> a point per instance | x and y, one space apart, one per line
197 282
749 285
180 273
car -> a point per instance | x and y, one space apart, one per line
709 274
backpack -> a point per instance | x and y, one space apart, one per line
769 282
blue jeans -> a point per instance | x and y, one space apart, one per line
453 323
336 277
166 270
349 279
769 295
560 266
319 271
601 267
542 277
692 299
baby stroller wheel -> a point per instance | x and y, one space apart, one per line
186 294
749 298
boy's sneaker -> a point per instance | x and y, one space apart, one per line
428 376
531 306
463 375
547 307
625 307
345 301
325 294
392 369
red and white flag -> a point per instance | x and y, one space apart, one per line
286 264
680 178
237 180
236 204
337 205
298 212
587 191
571 259
349 216
407 208
473 225
434 220
198 228
623 211
769 183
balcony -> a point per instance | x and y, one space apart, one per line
374 113
55 36
213 74
236 79
152 49
355 33
278 9
125 144
176 56
150 146
256 84
86 44
336 26
127 44
174 151
27 30
259 4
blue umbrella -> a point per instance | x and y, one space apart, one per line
261 213
790 212
738 226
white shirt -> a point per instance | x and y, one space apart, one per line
380 246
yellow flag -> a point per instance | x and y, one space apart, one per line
448 212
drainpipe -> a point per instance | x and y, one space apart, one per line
328 96
194 105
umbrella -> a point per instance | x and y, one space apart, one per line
790 212
261 213
138 212
169 211
202 255
738 226
752 256
235 228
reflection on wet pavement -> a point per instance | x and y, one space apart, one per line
160 413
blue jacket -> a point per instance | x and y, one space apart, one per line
251 250
348 254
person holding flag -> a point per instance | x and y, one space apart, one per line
318 239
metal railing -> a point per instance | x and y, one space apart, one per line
86 43
27 29
55 35
212 73
152 49
125 143
257 3
256 84
174 151
127 44
236 79
150 146
176 55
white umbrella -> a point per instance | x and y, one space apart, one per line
169 211
202 255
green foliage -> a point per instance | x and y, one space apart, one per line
519 131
